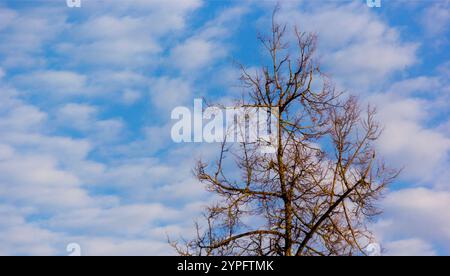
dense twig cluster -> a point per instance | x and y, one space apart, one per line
316 193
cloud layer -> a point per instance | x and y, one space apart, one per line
86 95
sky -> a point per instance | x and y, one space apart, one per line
86 96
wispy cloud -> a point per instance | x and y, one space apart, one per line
85 101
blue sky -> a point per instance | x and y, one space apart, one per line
86 96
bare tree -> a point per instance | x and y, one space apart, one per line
315 195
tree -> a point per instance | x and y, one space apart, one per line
315 195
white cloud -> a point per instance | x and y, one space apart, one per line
22 117
120 86
444 68
37 181
131 96
17 115
417 214
124 220
51 174
7 16
426 86
406 142
141 180
84 118
78 116
35 166
167 93
353 42
53 83
207 46
167 15
436 18
104 246
411 247
17 237
406 112
24 35
119 40
196 54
